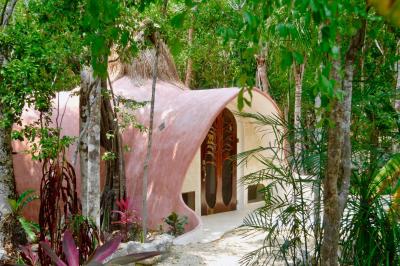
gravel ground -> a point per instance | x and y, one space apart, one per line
227 250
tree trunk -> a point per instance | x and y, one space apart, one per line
83 144
332 217
356 45
91 184
7 180
115 170
94 152
317 183
261 75
111 188
150 137
8 10
337 180
189 66
298 72
344 180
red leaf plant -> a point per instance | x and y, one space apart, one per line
71 253
127 217
30 258
58 201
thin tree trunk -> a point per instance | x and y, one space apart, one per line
317 183
7 180
119 140
331 223
356 45
261 75
150 137
344 180
112 183
115 170
91 186
298 72
189 66
83 144
8 10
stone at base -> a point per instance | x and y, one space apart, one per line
160 243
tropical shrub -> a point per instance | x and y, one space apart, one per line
128 221
17 205
291 215
176 223
371 228
19 229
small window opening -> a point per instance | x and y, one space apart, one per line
254 194
189 199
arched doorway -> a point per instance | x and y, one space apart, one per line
218 168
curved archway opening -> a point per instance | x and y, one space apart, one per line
218 166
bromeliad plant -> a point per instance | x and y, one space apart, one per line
71 253
128 221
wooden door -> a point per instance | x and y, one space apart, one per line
218 168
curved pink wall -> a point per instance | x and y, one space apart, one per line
181 122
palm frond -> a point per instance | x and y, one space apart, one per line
387 178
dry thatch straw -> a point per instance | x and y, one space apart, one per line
141 68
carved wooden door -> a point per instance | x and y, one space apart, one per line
218 168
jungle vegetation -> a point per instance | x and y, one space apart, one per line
333 67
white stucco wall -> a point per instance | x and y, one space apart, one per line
192 181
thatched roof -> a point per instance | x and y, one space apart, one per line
141 68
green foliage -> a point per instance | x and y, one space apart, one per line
38 63
43 142
126 113
25 198
291 216
108 156
387 180
370 227
17 205
215 61
31 229
176 223
85 234
48 42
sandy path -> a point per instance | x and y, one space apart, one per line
227 250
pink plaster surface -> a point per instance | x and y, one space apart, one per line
181 122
